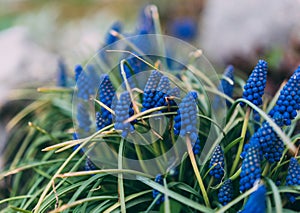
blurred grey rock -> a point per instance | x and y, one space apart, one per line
233 27
23 61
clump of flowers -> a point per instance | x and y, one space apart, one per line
256 83
152 130
217 163
123 111
293 177
251 168
257 201
151 90
288 101
225 194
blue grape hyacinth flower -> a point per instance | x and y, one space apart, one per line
83 117
225 85
217 161
155 193
85 86
123 111
173 93
162 92
293 177
256 202
271 145
78 70
185 122
225 194
256 83
288 101
251 169
145 23
106 95
62 74
150 90
109 38
184 28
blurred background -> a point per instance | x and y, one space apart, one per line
35 35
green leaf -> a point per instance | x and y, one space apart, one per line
276 196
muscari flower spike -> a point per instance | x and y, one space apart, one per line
225 85
83 117
184 28
84 86
271 145
158 179
150 90
161 94
123 111
256 83
293 177
100 122
256 118
288 101
62 74
173 93
185 122
225 194
109 38
106 95
256 202
217 161
78 69
251 170
145 21
93 78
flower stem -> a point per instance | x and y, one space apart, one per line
196 171
241 144
266 169
120 178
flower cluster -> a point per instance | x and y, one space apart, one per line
225 85
163 89
251 170
155 193
123 111
257 201
150 90
271 145
83 117
173 93
111 38
77 70
61 74
106 96
293 177
145 23
217 162
254 88
288 101
225 194
185 120
85 86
